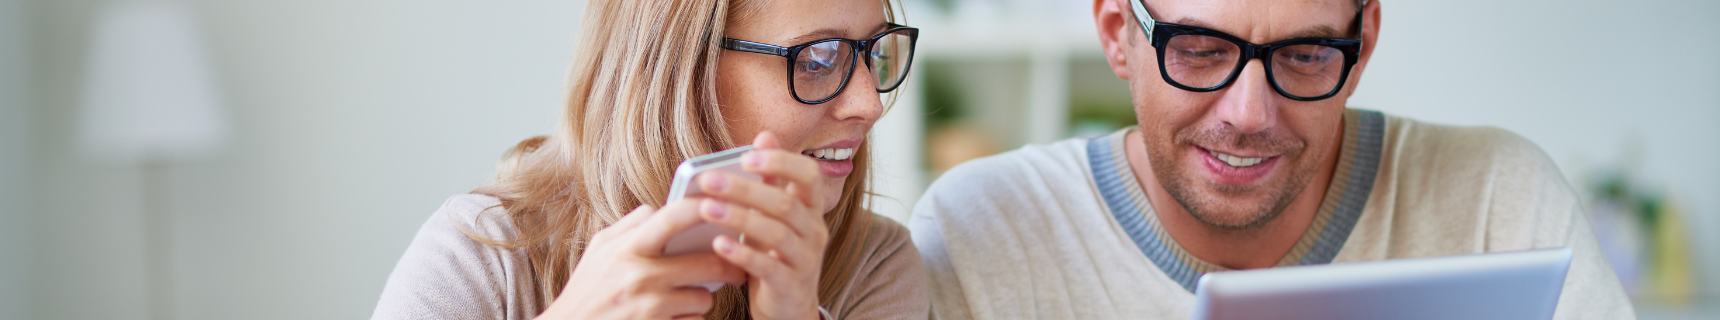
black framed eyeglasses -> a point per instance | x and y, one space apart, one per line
819 70
1204 60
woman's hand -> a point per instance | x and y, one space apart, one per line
781 221
623 274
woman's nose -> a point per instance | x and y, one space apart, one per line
860 99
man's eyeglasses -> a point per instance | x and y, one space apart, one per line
819 70
1203 60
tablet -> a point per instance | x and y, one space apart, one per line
1513 285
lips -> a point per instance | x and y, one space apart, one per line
835 159
1235 161
1226 168
830 154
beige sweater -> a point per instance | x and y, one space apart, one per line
446 275
1062 231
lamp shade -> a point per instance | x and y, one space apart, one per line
149 91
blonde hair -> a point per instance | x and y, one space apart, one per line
641 98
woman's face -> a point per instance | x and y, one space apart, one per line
753 92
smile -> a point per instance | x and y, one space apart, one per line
830 154
1235 161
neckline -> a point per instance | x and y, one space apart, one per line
1346 196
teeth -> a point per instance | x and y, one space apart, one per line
830 154
1235 161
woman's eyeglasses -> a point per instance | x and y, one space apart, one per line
1203 60
819 70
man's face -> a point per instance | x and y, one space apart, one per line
1236 157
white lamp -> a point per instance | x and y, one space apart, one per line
150 92
149 99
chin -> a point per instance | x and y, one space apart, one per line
833 192
1235 207
1235 214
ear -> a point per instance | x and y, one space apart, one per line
1114 31
1370 39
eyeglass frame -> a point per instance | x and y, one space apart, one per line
1160 33
859 47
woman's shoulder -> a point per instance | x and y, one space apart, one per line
878 289
888 250
884 225
885 234
446 272
479 214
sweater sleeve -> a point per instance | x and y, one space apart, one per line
948 300
446 274
1533 207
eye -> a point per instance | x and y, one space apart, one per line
1306 55
1305 58
1204 53
813 66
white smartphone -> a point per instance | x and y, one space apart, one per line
698 238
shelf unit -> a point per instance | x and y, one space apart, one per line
1015 59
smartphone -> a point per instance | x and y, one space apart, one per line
698 238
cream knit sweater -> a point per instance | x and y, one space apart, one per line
1029 235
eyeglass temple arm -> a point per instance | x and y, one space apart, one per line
1144 18
754 47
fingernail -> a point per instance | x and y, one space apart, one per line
717 183
753 159
716 209
725 245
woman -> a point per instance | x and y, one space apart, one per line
569 229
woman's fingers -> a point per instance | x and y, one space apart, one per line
770 200
676 303
652 235
692 270
753 261
760 230
798 168
785 166
729 187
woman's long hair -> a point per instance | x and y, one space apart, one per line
641 98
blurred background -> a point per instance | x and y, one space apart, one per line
215 159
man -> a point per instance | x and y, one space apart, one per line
1245 157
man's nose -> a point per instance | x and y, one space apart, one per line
1249 105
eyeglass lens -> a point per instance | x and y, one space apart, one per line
820 69
1301 70
890 59
823 68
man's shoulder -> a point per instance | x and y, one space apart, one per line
1058 162
1442 179
1442 147
1029 184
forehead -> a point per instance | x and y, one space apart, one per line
1261 21
781 21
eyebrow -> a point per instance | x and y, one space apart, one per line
824 33
1319 31
827 33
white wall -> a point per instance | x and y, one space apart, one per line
1594 83
16 209
353 120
